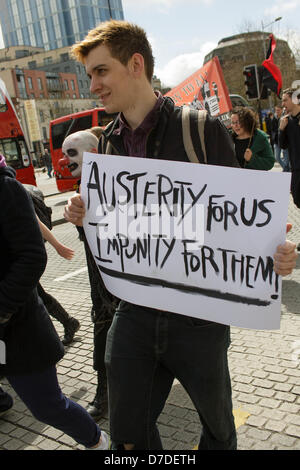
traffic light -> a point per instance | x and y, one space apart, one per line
264 91
251 82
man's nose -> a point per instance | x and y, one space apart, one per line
95 85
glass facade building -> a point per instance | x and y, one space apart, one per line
53 23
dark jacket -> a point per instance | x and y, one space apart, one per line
31 341
275 129
290 138
165 141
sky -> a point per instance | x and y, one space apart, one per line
182 32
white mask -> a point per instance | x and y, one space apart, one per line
73 147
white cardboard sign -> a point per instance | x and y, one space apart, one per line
187 238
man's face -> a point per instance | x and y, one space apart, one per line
287 102
110 80
73 147
278 111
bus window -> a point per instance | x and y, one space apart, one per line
9 148
61 130
104 118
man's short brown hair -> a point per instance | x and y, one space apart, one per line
123 39
288 91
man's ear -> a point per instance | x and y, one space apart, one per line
137 64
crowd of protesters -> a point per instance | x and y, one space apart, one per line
118 58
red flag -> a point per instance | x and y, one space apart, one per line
271 77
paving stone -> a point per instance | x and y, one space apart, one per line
269 402
258 434
256 421
277 426
293 431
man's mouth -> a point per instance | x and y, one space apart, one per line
104 97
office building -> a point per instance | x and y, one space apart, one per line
53 24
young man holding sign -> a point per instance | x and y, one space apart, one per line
148 348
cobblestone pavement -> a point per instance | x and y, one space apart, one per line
264 366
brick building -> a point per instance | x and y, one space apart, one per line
235 52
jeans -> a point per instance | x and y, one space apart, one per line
283 161
42 395
146 349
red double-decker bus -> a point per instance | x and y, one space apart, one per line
12 141
60 128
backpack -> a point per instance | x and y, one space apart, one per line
42 211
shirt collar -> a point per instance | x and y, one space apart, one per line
149 121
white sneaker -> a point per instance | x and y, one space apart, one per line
104 444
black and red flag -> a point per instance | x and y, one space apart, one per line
271 75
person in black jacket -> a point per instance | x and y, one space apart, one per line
147 348
283 160
289 137
32 346
103 302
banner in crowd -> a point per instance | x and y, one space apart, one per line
187 238
205 89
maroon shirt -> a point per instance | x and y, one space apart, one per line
135 141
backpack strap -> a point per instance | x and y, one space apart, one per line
201 122
108 148
187 139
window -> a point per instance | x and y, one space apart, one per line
61 130
64 57
72 85
32 64
40 83
9 148
42 116
29 79
66 84
44 133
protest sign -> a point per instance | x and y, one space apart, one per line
187 238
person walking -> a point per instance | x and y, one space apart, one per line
48 162
147 348
103 303
32 346
281 155
55 309
289 137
